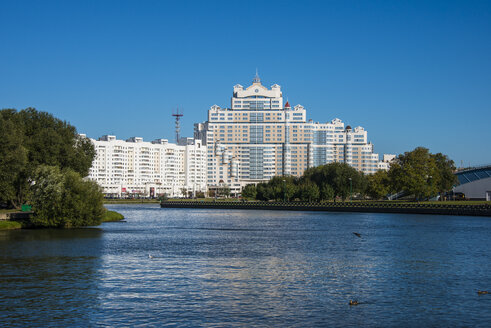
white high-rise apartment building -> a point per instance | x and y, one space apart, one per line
136 167
258 138
384 164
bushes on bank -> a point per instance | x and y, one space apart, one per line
62 199
42 162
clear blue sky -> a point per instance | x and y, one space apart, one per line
413 73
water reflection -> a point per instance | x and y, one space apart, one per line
249 268
49 277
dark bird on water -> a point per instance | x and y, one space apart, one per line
357 234
482 292
355 302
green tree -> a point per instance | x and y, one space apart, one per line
378 184
64 199
337 175
308 191
82 155
249 191
46 140
281 187
327 192
445 168
13 160
51 141
416 173
289 189
264 192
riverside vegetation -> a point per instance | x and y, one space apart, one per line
8 225
112 216
418 173
43 163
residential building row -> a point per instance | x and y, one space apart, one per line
257 138
134 167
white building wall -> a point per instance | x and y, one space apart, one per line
135 167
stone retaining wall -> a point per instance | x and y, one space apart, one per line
16 216
409 208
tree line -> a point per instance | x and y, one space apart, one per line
418 173
43 163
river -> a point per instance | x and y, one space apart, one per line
239 268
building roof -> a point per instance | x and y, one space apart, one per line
474 174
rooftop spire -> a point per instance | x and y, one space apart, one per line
256 78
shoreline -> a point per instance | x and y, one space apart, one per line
14 219
362 207
112 216
130 201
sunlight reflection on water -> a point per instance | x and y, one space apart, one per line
249 268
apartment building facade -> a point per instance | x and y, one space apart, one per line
258 138
133 167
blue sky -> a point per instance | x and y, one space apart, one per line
413 73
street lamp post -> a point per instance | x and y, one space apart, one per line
429 185
284 190
350 189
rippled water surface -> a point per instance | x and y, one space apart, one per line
212 268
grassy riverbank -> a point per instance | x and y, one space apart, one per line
112 216
9 225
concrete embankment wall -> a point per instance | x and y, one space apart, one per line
409 208
16 216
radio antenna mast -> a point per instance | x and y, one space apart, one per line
178 125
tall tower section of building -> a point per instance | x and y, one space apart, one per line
256 138
260 137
